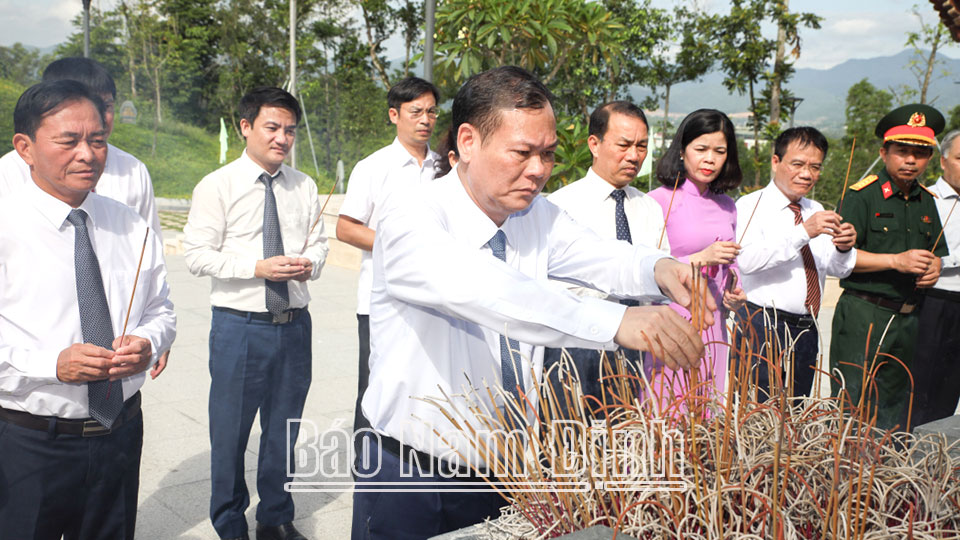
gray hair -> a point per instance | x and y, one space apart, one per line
947 142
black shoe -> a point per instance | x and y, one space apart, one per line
244 537
279 532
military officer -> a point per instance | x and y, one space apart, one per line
897 225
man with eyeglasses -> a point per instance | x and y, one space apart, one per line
404 164
784 260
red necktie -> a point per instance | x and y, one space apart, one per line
809 267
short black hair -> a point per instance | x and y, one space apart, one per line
267 96
480 100
701 122
43 98
408 90
601 116
803 136
447 144
89 72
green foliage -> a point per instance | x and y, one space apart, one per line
573 156
21 65
564 42
953 119
9 93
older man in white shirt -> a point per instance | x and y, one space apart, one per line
445 312
73 347
605 202
251 230
936 366
791 247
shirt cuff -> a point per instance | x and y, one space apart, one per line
950 261
649 280
599 322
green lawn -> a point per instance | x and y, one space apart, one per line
184 153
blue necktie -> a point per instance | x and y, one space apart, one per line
623 228
278 295
105 405
510 364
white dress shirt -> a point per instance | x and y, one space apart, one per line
223 237
372 179
947 197
39 315
124 179
770 262
589 203
441 299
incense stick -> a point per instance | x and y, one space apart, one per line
669 207
744 233
136 279
846 178
319 217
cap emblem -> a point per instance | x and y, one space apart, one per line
917 120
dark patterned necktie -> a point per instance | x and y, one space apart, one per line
812 301
95 322
278 295
620 216
623 228
510 364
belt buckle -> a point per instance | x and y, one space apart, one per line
805 322
283 318
92 428
906 309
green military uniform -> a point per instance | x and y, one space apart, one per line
883 303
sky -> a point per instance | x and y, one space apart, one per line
850 29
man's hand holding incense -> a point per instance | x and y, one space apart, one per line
662 332
131 356
676 282
84 362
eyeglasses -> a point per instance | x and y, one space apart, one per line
416 113
798 166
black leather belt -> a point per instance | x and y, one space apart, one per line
798 321
67 426
403 452
942 294
903 308
283 318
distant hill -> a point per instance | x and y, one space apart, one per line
824 91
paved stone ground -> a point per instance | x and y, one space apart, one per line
175 471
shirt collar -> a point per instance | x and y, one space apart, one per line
914 186
689 187
598 186
943 189
54 210
404 157
253 171
774 197
477 227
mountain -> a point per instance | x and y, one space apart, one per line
824 91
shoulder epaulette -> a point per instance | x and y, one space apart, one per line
925 188
865 182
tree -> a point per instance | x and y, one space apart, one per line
922 64
21 65
569 44
410 15
744 53
683 54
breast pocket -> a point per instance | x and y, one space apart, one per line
884 225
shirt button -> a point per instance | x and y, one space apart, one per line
884 229
594 330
